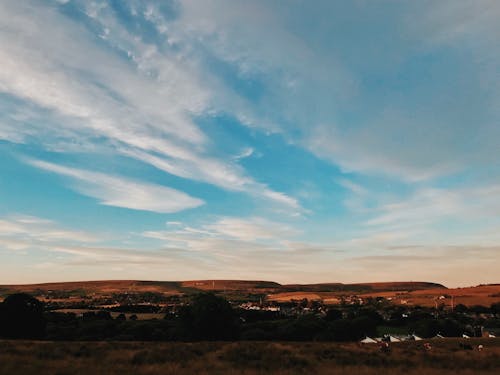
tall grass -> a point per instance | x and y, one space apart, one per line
250 358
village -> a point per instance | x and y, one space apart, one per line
366 319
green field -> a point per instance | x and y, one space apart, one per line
30 357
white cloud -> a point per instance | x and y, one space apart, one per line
428 206
244 230
225 175
425 219
125 101
19 232
122 192
352 186
173 223
239 248
250 229
142 108
376 149
444 122
245 153
416 132
104 88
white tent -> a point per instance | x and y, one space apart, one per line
416 338
491 335
368 340
465 336
394 339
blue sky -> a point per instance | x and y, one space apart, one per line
297 141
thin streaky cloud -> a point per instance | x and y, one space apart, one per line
305 142
117 191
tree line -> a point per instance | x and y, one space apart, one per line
211 317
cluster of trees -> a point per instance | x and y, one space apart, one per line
209 317
21 316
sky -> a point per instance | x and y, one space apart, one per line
295 141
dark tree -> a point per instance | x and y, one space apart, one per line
304 328
21 317
333 314
209 317
426 327
342 330
461 308
495 308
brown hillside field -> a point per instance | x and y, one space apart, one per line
402 285
101 287
290 296
250 358
241 285
373 287
121 286
405 293
484 295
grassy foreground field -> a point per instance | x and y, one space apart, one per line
27 357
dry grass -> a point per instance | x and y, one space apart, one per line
249 358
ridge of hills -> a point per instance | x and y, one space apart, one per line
181 287
399 293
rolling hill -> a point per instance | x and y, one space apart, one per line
400 293
181 287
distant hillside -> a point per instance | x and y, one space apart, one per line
402 286
362 288
181 287
239 285
484 295
399 293
98 287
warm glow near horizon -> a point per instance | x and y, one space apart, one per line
296 142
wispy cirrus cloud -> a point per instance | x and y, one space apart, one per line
230 248
20 232
240 232
123 192
250 229
432 205
228 176
324 100
142 106
193 88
